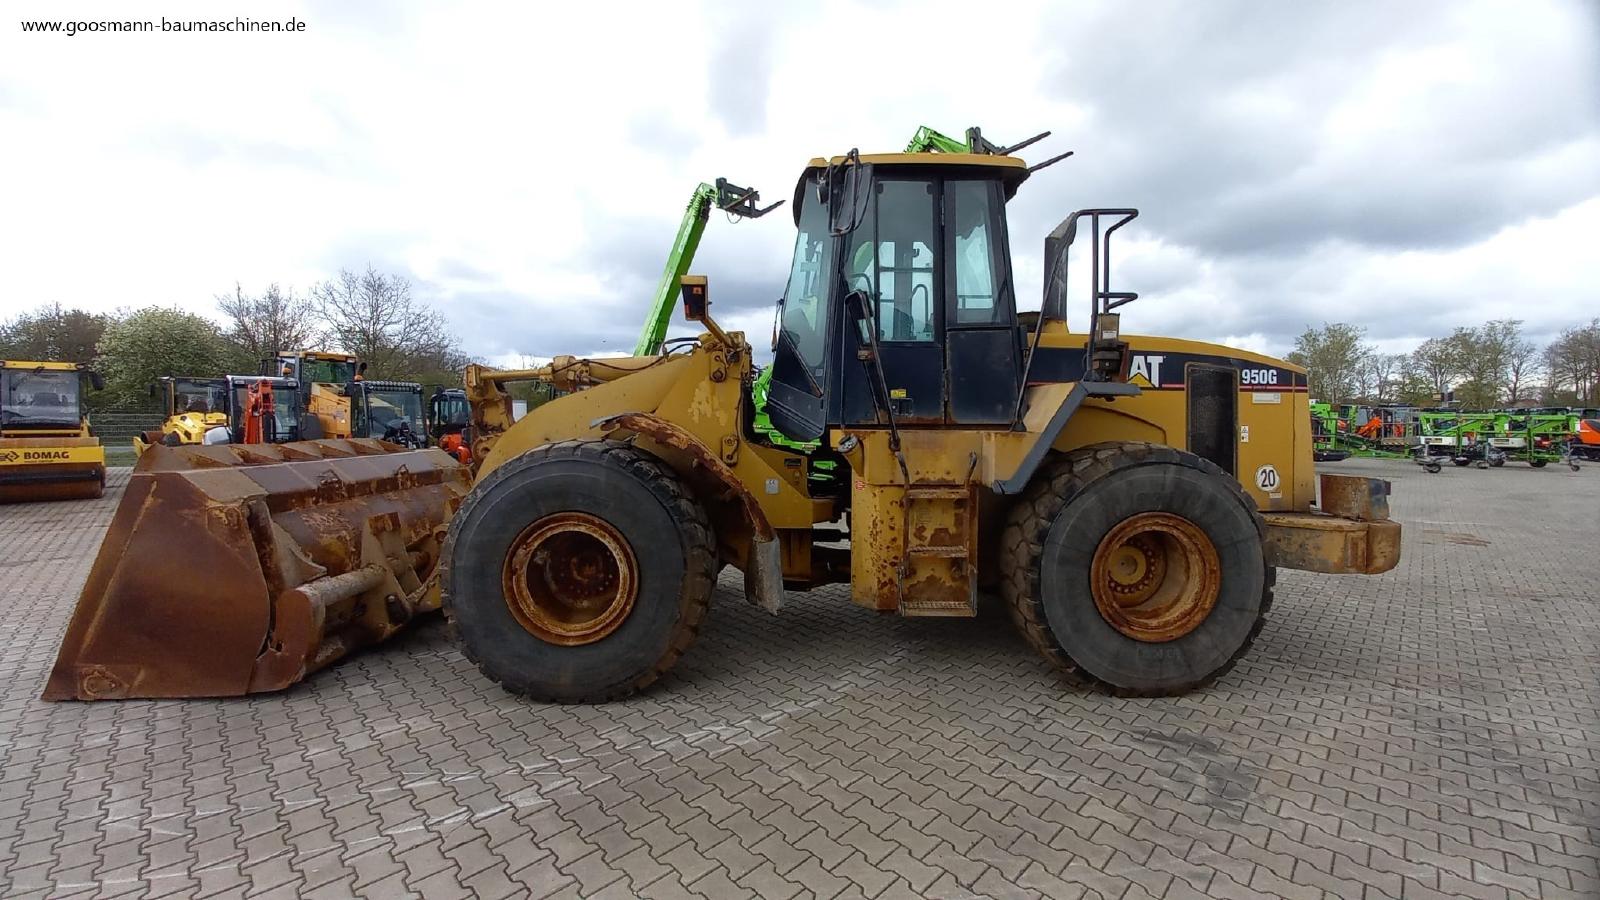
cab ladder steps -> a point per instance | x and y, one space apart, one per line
954 594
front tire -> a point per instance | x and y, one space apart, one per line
1137 567
578 572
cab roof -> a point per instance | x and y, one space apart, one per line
317 354
47 366
1011 170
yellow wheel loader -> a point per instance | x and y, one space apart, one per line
340 402
1129 498
47 450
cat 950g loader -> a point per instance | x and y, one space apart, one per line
1128 498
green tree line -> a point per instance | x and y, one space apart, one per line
370 314
1480 367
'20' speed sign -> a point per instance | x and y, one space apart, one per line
1267 478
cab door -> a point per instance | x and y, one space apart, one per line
894 256
982 345
932 257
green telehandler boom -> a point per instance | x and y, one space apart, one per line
927 140
730 198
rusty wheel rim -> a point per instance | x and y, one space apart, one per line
1155 577
570 578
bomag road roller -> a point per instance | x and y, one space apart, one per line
1128 498
47 450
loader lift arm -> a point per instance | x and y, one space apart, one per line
739 202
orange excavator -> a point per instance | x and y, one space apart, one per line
260 413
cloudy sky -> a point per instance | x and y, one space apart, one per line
1407 167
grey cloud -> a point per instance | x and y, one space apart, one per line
1217 116
1239 132
1214 121
740 67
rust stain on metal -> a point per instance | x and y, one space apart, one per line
1354 497
671 435
292 556
570 579
1155 577
936 589
1328 544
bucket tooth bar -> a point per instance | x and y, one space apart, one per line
231 570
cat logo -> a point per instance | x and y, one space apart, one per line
1144 369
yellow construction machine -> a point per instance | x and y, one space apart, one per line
341 402
47 450
196 407
1128 498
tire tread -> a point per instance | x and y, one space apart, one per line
1022 545
699 547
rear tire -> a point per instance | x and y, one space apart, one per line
1538 463
658 532
1061 527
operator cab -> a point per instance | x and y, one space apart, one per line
448 413
282 426
310 367
901 307
191 396
42 396
387 410
923 238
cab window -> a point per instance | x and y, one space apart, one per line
973 211
894 260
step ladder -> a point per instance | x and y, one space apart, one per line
937 574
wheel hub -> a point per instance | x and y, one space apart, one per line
570 578
1155 577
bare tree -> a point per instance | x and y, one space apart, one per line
264 325
1573 362
374 316
1383 374
1438 363
1522 364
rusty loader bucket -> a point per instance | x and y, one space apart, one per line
233 569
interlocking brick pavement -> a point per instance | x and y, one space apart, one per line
1431 732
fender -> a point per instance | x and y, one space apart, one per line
763 576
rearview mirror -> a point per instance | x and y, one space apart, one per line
849 189
99 383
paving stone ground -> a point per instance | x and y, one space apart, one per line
1431 732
